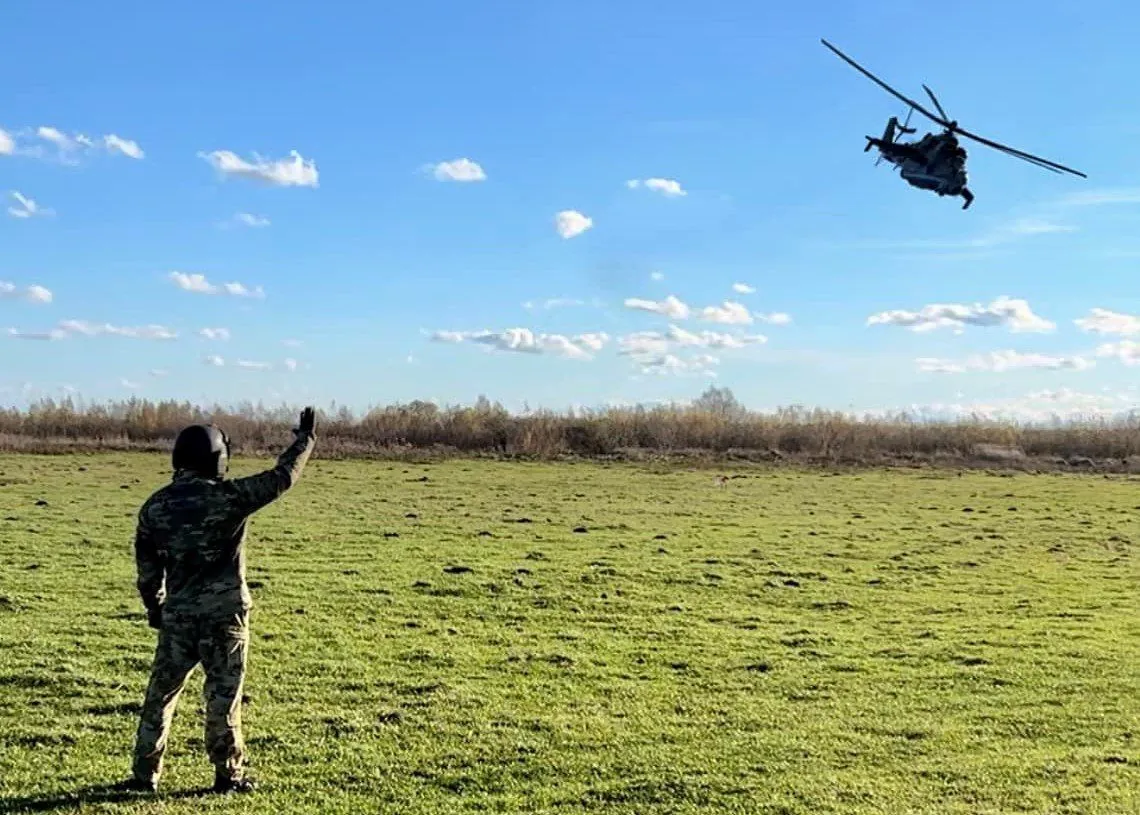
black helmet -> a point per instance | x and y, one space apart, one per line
203 449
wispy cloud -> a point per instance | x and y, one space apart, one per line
570 223
668 187
671 307
525 341
294 171
1126 351
198 284
558 302
743 288
672 365
656 277
1103 321
248 219
460 169
728 313
52 335
32 294
67 147
215 333
1014 314
1001 361
775 318
81 328
144 332
26 208
216 361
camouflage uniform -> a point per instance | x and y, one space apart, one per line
190 554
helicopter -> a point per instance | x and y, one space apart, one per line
937 161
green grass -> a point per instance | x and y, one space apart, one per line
438 639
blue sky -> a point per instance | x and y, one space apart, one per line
156 141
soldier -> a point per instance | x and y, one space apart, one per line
190 555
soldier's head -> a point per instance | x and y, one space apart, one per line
202 449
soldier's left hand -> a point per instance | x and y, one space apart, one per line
154 618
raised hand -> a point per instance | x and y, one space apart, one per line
308 421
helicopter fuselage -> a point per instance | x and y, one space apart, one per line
936 162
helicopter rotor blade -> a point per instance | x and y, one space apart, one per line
1021 154
884 85
934 99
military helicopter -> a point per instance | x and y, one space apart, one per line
936 162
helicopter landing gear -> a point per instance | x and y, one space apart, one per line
967 196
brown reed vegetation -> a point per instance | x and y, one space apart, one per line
713 428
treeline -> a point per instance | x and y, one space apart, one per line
713 426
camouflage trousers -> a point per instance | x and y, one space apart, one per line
221 645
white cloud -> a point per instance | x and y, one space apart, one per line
1001 361
128 148
555 302
56 137
712 339
253 366
294 171
158 373
1103 321
728 313
215 333
67 146
250 220
671 365
666 186
670 307
198 284
461 169
775 318
26 207
1127 351
145 332
129 385
523 340
657 277
290 364
292 343
33 293
71 328
1016 315
215 360
7 143
571 223
1063 404
743 288
53 334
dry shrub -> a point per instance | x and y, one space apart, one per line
720 429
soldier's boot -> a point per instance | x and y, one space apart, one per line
133 784
225 785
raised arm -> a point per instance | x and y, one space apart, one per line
151 570
256 491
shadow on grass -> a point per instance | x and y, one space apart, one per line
98 794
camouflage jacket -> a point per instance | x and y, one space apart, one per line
190 539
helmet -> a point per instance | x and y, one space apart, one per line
203 449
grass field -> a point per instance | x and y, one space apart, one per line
487 637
